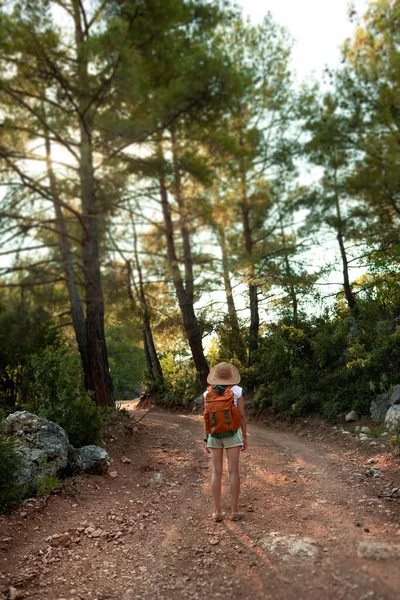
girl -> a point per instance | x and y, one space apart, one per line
226 376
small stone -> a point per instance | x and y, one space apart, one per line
250 508
125 460
378 551
113 474
365 429
351 416
13 594
214 541
96 533
158 479
89 530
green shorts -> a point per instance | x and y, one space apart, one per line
227 442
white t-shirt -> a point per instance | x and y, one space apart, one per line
237 392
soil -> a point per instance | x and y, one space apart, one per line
321 520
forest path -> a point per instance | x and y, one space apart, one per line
314 527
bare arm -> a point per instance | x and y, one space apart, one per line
243 421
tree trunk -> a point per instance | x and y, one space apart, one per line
101 382
232 314
152 360
253 288
183 293
77 315
348 292
289 275
350 298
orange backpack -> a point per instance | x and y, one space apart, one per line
221 417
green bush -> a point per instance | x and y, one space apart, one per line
44 485
23 331
10 491
181 382
325 365
127 362
52 388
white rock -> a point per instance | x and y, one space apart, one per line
392 419
395 395
365 429
351 416
378 550
290 544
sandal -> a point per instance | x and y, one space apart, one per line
236 516
217 516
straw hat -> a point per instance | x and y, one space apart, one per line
223 374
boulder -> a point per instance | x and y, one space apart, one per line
379 406
392 419
41 444
395 395
351 416
383 402
89 459
198 403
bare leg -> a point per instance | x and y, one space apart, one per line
217 455
233 468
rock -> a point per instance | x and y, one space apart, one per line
42 446
113 474
351 416
378 550
198 403
373 472
383 402
214 541
14 594
158 479
365 430
395 395
379 406
392 419
125 460
90 459
96 533
357 428
290 545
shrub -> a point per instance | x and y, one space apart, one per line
23 332
44 485
182 384
10 491
53 390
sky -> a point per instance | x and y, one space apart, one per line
319 28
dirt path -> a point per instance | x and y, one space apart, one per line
314 525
